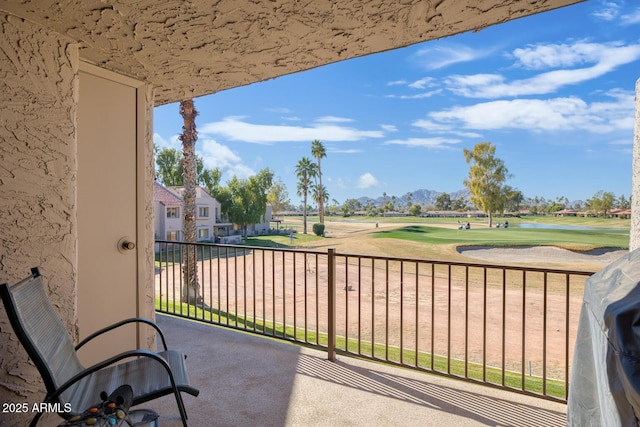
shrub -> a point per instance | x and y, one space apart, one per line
318 229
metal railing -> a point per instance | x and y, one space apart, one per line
504 326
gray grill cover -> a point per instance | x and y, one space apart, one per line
605 379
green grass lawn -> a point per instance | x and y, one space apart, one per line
569 239
535 219
281 241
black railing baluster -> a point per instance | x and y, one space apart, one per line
485 351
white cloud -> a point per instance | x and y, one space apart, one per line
367 180
279 110
238 129
220 156
537 57
426 82
612 11
627 141
333 119
174 142
389 128
441 128
346 151
397 82
631 18
416 96
434 143
423 83
436 56
608 12
606 57
557 114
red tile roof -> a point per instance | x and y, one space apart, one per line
164 196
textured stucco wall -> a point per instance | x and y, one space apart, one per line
38 92
634 241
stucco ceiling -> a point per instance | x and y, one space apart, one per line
192 48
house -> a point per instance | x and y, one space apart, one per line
209 223
167 209
620 213
566 212
79 83
168 216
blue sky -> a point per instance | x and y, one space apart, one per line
554 92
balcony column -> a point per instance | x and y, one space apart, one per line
634 237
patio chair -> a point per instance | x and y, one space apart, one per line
49 345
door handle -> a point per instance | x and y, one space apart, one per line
126 245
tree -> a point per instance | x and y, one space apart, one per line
305 171
350 206
409 197
623 203
188 138
513 199
278 196
169 171
415 210
443 202
601 202
333 208
210 178
244 201
168 161
487 175
459 204
558 204
318 151
320 196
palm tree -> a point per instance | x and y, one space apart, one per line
320 194
305 171
318 151
189 137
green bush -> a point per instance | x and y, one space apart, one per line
318 229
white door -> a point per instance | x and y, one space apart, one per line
107 211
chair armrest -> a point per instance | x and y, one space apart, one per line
120 323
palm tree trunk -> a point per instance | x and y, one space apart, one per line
190 291
321 201
304 214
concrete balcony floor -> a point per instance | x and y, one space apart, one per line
249 380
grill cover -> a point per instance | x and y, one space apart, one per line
605 380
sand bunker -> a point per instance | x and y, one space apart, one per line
541 254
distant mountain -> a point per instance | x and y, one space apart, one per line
422 197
